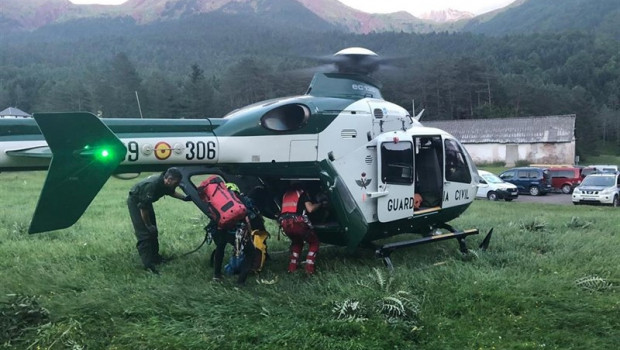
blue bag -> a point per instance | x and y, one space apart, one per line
234 264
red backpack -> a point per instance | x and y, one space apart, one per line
225 206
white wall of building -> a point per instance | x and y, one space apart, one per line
546 153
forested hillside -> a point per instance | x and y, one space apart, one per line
207 65
601 17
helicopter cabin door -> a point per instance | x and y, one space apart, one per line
429 170
395 188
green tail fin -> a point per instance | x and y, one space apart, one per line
85 152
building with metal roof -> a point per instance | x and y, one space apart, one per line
548 139
12 112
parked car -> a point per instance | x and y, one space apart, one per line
598 189
598 169
529 180
565 179
493 188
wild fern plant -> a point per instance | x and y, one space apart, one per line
350 310
576 222
400 306
377 299
535 225
593 283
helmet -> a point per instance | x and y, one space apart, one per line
232 186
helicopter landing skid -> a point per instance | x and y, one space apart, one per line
383 252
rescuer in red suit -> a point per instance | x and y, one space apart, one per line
296 203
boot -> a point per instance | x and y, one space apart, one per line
162 259
148 253
310 262
292 265
310 267
152 269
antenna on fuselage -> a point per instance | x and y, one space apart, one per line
419 116
139 108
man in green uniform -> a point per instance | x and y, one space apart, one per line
140 204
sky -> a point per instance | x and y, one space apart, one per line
415 7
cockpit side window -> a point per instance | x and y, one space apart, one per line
457 169
397 162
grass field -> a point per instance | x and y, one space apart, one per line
549 280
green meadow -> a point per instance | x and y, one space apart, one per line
548 281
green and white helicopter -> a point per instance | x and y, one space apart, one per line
366 156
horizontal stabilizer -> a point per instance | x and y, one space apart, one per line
33 152
84 154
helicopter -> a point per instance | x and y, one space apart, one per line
341 140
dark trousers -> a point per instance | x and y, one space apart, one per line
148 243
221 238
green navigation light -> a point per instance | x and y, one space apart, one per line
102 154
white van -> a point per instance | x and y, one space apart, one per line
492 187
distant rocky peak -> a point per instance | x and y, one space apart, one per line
448 15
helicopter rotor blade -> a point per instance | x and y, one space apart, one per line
359 60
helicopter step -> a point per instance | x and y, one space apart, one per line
383 252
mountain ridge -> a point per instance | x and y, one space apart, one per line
16 15
519 17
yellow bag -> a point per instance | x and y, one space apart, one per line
259 238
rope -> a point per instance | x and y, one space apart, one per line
200 246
